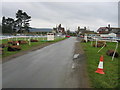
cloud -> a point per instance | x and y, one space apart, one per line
70 14
60 0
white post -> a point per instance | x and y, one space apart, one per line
25 38
12 38
85 37
115 50
91 42
96 42
29 41
37 37
8 38
43 37
16 38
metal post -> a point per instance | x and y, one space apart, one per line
115 50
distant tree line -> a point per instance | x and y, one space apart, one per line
19 25
68 32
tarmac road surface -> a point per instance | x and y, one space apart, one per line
49 67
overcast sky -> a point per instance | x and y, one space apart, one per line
69 14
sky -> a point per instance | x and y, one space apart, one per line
70 14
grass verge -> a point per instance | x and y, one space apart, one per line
111 77
25 47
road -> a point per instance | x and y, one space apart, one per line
49 67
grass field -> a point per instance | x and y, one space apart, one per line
111 77
26 46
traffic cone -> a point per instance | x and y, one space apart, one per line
100 66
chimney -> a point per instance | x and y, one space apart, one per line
108 25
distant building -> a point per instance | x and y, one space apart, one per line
107 30
103 30
59 30
82 30
115 30
40 30
85 30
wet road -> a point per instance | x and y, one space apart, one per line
44 68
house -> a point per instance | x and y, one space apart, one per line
103 30
85 30
59 30
115 30
81 30
107 30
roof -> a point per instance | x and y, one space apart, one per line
40 29
102 29
115 28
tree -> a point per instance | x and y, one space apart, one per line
22 21
68 32
26 20
19 19
10 23
0 28
78 30
85 28
7 25
4 28
26 27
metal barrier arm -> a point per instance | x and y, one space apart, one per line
115 50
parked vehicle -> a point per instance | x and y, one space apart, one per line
67 36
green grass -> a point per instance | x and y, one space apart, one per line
25 47
111 76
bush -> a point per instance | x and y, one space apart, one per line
22 42
32 40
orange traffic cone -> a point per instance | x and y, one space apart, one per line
100 66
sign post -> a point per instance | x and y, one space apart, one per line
85 37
